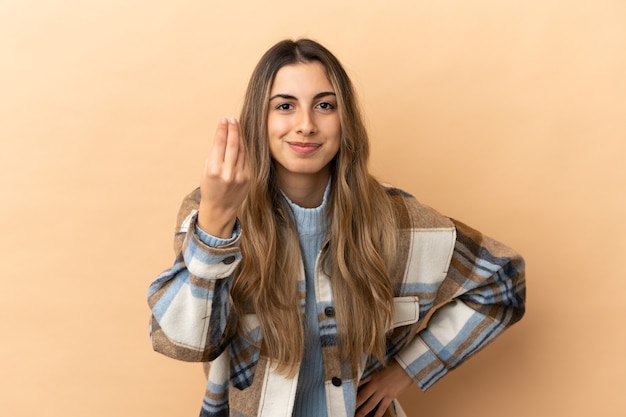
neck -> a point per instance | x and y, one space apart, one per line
307 191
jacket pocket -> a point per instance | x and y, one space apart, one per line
406 310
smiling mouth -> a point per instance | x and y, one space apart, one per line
303 147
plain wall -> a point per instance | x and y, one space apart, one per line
507 115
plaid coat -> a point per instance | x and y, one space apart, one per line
455 291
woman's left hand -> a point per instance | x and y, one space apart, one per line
380 389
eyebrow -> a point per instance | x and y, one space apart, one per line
290 97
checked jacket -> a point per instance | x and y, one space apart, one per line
455 290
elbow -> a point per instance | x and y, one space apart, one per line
514 294
503 295
164 345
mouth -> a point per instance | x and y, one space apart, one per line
304 147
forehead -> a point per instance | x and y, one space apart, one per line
303 78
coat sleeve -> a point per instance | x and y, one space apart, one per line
190 301
482 294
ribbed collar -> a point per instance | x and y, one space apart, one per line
311 221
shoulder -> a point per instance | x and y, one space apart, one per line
412 214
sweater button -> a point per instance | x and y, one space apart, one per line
336 381
229 260
329 311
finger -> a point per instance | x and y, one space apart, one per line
369 406
242 170
216 156
382 407
231 153
364 393
241 158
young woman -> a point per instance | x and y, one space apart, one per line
310 288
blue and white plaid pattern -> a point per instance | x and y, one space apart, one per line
469 288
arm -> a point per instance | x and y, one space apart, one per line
482 294
190 302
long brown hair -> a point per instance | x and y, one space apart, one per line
361 238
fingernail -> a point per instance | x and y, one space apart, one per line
223 121
233 120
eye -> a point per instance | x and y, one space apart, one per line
326 105
284 106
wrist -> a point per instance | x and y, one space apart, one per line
217 223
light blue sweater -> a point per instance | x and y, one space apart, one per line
312 225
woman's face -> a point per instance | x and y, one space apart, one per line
303 122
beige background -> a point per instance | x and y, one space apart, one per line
508 115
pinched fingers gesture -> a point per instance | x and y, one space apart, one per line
225 181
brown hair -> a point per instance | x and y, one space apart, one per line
361 238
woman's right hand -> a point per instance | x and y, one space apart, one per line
225 181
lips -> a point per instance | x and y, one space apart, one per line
304 147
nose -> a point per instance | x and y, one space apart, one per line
306 123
